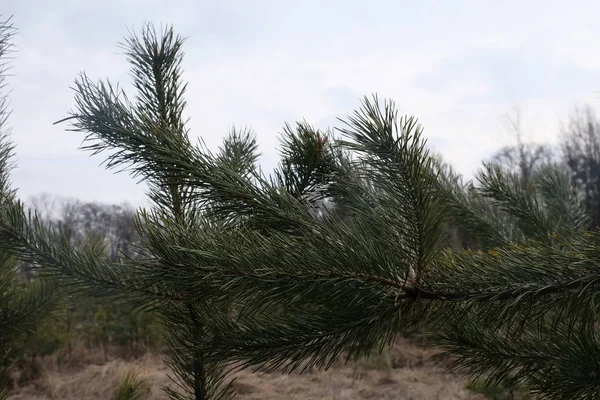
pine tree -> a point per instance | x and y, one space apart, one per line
22 306
334 253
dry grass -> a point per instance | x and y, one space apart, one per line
95 381
406 373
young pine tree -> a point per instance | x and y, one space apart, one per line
337 251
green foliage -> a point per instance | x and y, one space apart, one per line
47 339
132 387
505 208
239 152
307 162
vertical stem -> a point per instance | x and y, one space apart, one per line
198 358
198 362
69 323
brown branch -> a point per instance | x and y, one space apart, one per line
457 295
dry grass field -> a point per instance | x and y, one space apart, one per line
407 372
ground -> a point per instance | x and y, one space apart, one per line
407 372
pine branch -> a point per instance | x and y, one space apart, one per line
401 167
518 199
291 271
73 268
562 198
479 218
567 366
307 162
507 210
240 152
308 336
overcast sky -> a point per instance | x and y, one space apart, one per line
456 65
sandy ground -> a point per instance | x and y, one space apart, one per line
406 373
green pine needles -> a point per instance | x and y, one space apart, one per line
332 254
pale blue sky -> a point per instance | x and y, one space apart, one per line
457 65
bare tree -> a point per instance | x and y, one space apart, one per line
77 219
44 204
580 145
524 157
